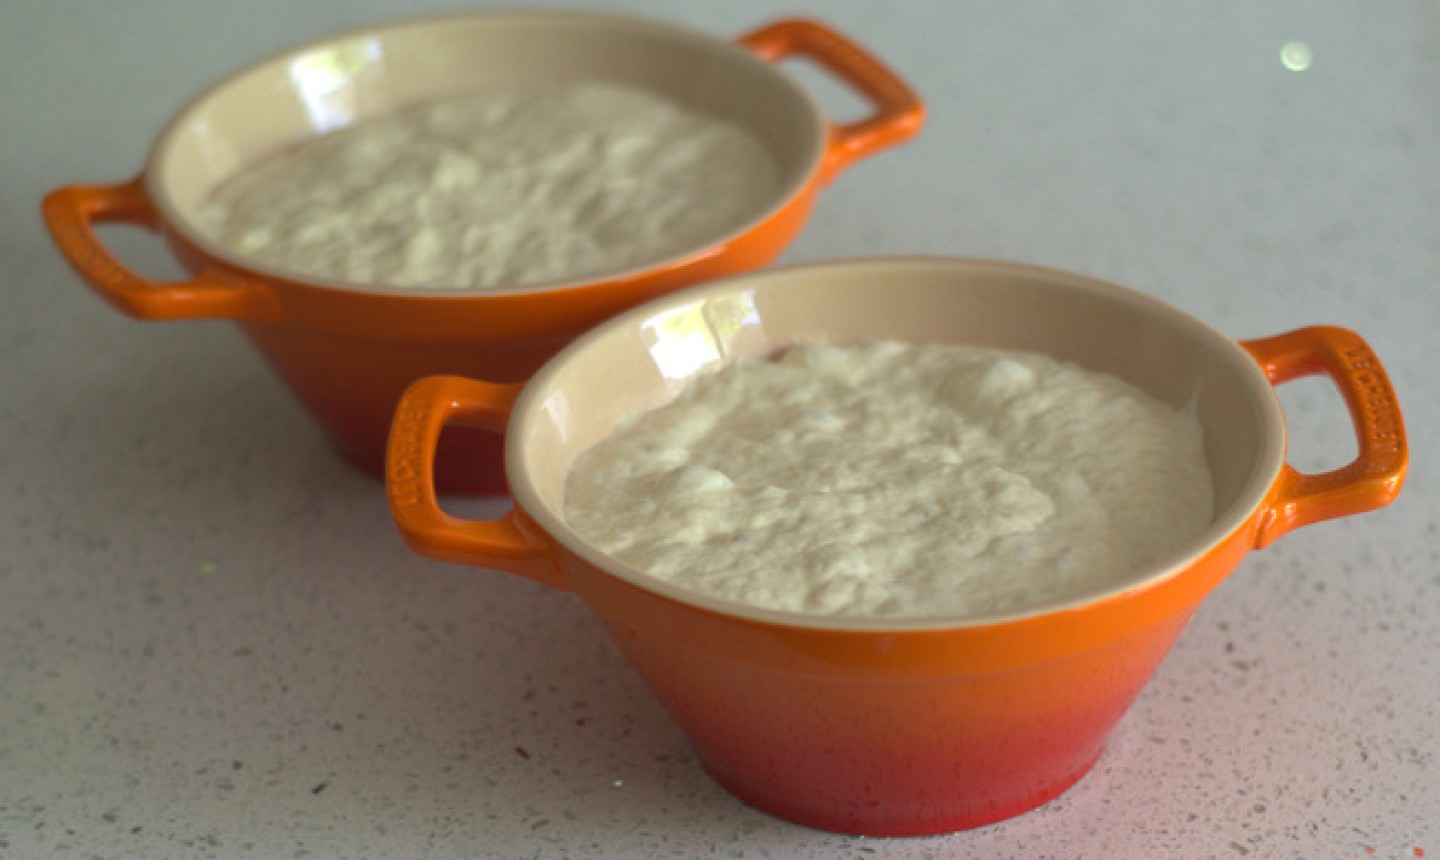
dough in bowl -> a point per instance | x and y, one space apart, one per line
508 186
897 480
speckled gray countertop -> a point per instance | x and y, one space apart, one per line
213 644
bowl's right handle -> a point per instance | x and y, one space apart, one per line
898 114
1373 478
512 543
72 212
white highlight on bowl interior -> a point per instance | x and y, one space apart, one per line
894 480
507 186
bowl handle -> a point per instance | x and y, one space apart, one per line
512 543
1373 479
71 214
898 112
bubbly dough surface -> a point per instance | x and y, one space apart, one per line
894 480
503 187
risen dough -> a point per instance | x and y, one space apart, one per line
896 480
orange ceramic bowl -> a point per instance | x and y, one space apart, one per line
348 350
886 727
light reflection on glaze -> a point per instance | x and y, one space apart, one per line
686 340
323 81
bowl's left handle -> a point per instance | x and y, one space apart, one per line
71 213
898 113
1373 478
512 543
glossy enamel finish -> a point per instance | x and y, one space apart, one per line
911 727
348 351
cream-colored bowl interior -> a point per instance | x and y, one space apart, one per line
328 85
641 359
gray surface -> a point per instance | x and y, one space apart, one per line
212 643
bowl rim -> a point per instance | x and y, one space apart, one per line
1225 524
171 215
